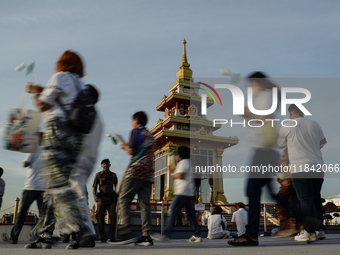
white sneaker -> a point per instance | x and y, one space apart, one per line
194 239
321 234
312 237
305 236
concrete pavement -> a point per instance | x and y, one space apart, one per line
268 246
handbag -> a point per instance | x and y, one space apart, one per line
21 131
222 223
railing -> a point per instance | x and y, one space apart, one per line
268 211
163 207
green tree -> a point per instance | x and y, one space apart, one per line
329 209
328 218
336 215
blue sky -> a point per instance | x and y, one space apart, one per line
132 51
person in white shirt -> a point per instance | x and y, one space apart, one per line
217 225
240 219
183 191
304 142
62 145
33 191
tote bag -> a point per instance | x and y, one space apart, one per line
21 131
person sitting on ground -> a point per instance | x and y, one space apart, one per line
217 225
239 219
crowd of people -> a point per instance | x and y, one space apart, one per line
59 170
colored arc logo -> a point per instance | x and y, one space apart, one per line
208 92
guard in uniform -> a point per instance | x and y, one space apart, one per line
106 199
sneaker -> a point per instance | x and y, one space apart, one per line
41 243
194 239
103 240
321 234
305 236
144 241
8 239
160 237
312 237
87 241
73 246
127 238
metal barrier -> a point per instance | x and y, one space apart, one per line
161 206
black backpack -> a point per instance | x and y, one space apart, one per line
82 114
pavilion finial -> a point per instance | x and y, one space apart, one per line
184 74
184 55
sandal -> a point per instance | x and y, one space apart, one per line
248 242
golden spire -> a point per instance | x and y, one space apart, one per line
184 55
184 74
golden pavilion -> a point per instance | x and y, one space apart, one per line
183 124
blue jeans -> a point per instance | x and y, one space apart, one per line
255 184
308 191
28 197
254 190
175 208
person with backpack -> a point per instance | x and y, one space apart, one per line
217 225
137 179
62 142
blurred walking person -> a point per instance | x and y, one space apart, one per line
33 191
304 142
288 223
183 191
79 177
262 141
137 179
62 145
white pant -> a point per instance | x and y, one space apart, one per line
78 178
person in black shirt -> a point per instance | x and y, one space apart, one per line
106 199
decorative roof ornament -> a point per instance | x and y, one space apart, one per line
184 74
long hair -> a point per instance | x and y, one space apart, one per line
263 80
70 62
217 210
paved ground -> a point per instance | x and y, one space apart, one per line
268 245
